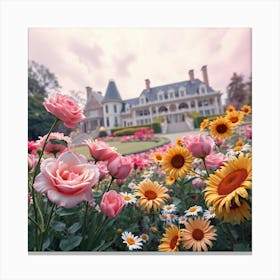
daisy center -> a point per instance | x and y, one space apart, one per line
178 161
127 198
197 234
221 128
232 181
130 241
192 209
212 211
150 195
173 242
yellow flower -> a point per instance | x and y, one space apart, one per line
221 128
198 234
151 195
246 109
236 117
236 213
170 180
229 183
157 156
204 124
180 142
170 240
177 162
230 109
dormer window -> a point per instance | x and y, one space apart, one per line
171 93
182 91
202 89
160 95
142 100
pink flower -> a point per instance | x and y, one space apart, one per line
57 143
65 109
103 171
215 160
32 161
248 131
111 203
32 147
198 183
120 167
119 182
200 145
67 180
100 150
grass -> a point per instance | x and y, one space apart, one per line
126 148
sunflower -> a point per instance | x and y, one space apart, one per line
197 234
152 195
180 142
204 124
236 213
170 180
170 240
230 109
177 162
236 117
229 183
221 128
246 109
157 156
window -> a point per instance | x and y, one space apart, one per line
106 109
176 94
107 121
205 102
182 93
200 103
116 121
192 104
115 108
165 96
160 97
207 112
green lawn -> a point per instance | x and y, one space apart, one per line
125 148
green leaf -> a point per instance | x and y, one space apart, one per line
60 142
176 200
57 226
74 228
46 244
70 243
243 247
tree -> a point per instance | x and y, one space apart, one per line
40 79
236 91
40 82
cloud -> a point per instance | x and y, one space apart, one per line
122 63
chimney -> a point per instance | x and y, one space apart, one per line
191 75
148 83
89 90
204 74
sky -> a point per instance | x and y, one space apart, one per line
91 57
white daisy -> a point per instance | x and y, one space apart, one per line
168 217
182 219
193 211
147 174
132 242
246 148
210 213
144 237
132 186
128 198
170 208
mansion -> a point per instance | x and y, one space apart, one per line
171 103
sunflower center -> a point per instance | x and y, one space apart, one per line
221 128
234 119
173 242
150 195
178 161
232 181
130 241
197 234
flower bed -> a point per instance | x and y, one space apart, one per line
193 195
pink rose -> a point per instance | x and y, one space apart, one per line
100 150
103 171
198 183
32 162
65 109
215 160
120 167
67 180
111 203
57 143
32 147
200 145
248 131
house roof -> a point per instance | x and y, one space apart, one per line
112 93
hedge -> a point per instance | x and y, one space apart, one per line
198 120
132 129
